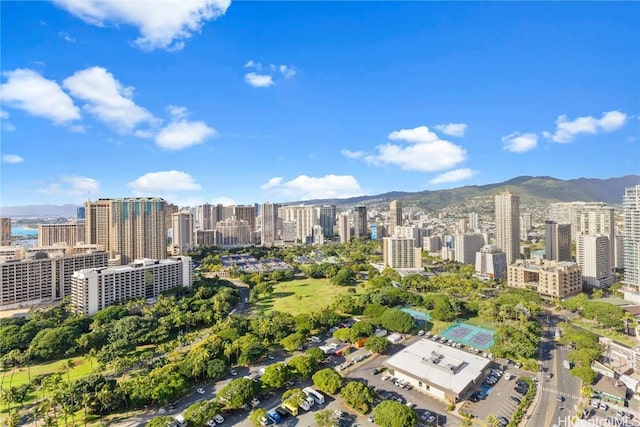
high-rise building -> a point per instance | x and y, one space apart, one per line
410 232
631 211
549 278
305 218
327 218
232 233
93 289
289 231
204 217
619 252
467 245
491 263
432 244
344 228
80 214
246 213
360 228
593 258
318 235
70 233
182 229
525 226
43 276
557 243
400 252
269 224
5 231
395 216
597 218
474 223
128 228
508 224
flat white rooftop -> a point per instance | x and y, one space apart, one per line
445 367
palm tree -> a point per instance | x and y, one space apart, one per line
69 364
493 421
13 418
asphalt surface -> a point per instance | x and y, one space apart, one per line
554 380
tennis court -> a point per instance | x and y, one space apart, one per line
417 315
470 335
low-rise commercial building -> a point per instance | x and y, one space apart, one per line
438 370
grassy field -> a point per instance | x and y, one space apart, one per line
301 296
21 376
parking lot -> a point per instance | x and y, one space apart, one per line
387 390
500 400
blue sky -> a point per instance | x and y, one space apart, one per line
212 101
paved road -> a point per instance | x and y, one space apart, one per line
555 380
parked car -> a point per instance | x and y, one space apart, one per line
219 418
503 421
200 391
515 400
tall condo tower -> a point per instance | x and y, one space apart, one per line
360 228
182 228
129 228
631 211
508 224
557 238
269 221
395 216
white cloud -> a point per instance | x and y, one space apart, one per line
258 80
327 187
12 158
287 71
426 151
453 129
66 37
107 99
4 115
352 154
183 134
178 112
566 131
272 183
72 185
163 24
453 176
263 76
519 143
163 182
28 91
421 134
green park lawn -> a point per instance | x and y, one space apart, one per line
21 376
301 296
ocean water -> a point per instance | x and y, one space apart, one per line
17 231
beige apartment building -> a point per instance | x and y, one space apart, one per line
548 278
129 228
43 276
508 224
400 252
70 233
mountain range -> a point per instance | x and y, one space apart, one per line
543 189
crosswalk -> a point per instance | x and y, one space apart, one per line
554 391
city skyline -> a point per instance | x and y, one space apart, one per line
253 102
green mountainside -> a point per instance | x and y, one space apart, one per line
532 189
